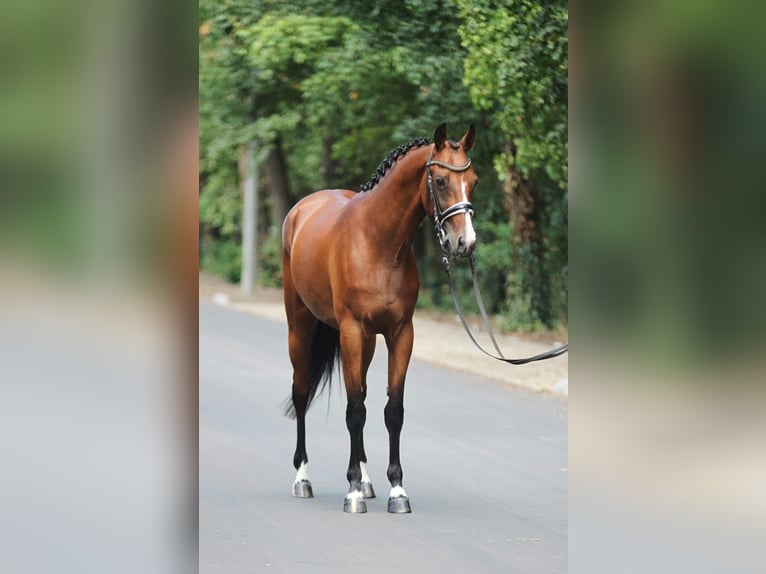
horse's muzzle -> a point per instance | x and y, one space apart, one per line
463 249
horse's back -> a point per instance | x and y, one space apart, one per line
319 210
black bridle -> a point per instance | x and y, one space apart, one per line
440 216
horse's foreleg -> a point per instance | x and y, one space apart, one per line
357 349
399 353
368 350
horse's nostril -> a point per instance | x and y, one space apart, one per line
461 243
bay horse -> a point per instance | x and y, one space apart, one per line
349 273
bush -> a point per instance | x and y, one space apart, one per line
222 257
270 271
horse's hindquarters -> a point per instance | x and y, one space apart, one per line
310 233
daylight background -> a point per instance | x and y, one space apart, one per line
98 208
324 90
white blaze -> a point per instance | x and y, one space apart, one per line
470 234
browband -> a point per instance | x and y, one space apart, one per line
449 165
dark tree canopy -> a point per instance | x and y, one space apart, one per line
327 89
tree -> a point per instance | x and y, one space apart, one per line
516 69
329 88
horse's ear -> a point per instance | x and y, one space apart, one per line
469 139
440 136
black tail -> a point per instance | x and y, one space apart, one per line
325 352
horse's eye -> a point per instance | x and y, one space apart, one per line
440 181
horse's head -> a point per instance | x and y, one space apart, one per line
450 182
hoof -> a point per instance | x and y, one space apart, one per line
367 490
302 489
399 505
354 504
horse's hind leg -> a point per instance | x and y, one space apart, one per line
300 347
399 351
301 327
357 349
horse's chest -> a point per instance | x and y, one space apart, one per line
381 294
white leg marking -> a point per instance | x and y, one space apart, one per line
303 472
365 476
396 492
355 494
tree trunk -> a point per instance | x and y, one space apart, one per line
529 288
249 270
276 172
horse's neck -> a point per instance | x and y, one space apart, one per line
395 204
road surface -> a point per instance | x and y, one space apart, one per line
485 467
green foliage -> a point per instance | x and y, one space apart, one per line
341 83
555 263
220 202
221 257
516 69
270 270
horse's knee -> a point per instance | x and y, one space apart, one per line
356 415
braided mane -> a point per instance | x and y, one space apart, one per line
386 164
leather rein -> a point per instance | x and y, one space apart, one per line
440 216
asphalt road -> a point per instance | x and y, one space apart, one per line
485 467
